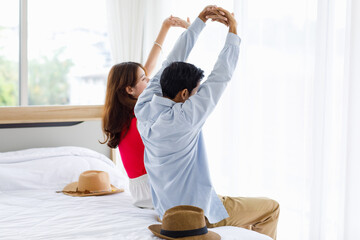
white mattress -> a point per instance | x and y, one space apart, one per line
31 209
37 214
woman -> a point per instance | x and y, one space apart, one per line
126 81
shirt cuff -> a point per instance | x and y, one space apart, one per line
233 39
197 25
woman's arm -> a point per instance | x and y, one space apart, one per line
155 50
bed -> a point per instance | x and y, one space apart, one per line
30 207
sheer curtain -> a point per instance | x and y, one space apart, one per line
126 21
352 196
281 129
287 125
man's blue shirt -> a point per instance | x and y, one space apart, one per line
175 157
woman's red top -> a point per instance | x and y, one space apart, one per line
131 150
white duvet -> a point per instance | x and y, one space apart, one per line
31 209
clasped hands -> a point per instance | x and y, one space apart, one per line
212 12
221 15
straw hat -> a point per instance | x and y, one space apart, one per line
183 222
91 183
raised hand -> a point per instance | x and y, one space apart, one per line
176 22
225 17
218 16
210 10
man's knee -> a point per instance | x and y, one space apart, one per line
275 206
270 206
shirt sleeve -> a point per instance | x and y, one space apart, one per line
180 52
198 107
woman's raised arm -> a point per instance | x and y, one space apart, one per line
156 49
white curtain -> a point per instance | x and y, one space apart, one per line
133 26
287 126
352 196
283 122
281 130
126 29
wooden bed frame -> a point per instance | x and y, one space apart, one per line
17 123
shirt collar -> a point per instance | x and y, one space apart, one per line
163 101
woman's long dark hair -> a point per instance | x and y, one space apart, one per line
119 105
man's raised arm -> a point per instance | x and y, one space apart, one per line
180 52
198 107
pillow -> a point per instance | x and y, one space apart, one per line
53 168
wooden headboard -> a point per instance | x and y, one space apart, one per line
39 114
52 126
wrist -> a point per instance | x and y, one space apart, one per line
233 28
202 17
159 45
165 26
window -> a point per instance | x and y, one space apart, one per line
9 53
67 55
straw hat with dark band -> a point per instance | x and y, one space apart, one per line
91 183
184 222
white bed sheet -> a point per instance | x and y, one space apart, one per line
31 209
37 214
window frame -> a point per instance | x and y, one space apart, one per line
23 56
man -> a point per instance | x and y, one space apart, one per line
171 112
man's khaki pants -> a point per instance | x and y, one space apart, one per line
258 214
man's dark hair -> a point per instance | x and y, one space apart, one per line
179 76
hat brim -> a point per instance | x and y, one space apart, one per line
210 235
70 190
